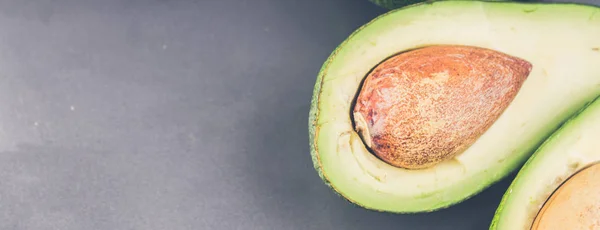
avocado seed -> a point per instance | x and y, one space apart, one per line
575 205
427 105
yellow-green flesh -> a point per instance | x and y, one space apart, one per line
562 41
575 146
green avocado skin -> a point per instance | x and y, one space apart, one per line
396 4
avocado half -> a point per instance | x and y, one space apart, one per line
570 150
560 41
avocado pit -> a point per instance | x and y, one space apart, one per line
574 205
424 106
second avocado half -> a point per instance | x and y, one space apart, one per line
559 186
541 67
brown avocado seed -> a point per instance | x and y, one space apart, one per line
575 205
424 106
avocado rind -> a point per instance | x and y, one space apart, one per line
571 148
396 4
344 165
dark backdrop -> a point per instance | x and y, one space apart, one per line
176 114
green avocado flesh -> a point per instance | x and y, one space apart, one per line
573 147
562 43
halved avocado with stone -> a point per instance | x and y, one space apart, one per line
559 186
543 67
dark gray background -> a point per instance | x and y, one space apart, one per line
176 114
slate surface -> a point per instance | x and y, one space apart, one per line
176 114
